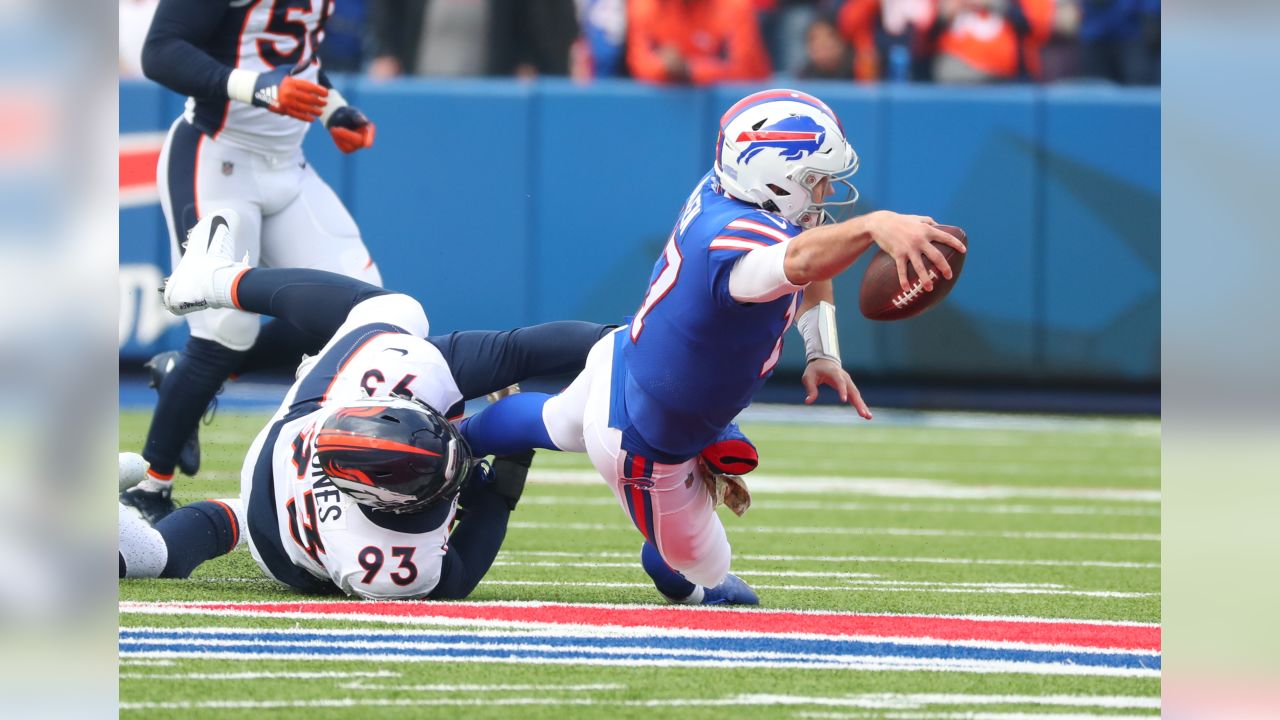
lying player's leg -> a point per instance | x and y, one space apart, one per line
486 361
181 541
538 420
317 302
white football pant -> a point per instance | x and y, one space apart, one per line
669 504
289 217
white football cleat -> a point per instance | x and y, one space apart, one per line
210 248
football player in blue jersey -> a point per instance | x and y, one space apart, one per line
753 249
254 84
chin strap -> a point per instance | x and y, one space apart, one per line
818 328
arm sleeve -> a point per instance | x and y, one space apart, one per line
758 276
474 543
484 361
172 56
743 237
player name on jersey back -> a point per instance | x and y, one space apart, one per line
330 536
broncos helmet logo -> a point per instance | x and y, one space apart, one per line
795 136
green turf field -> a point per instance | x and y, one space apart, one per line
1060 520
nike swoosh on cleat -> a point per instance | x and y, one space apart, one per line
218 221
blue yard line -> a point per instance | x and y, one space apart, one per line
811 649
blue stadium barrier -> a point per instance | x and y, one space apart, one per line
503 203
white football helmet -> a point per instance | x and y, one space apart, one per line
775 146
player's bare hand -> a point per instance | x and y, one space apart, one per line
909 239
821 372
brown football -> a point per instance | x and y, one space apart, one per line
882 298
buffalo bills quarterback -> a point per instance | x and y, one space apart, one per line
753 249
356 481
254 86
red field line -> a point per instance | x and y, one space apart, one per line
1116 636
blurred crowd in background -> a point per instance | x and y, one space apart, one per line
709 41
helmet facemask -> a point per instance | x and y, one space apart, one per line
840 205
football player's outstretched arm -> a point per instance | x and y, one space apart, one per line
826 251
474 543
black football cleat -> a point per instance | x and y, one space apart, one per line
159 368
152 505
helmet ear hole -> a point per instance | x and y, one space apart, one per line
778 191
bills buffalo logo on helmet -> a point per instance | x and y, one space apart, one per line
795 136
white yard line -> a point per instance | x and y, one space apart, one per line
934 715
852 559
1012 422
635 564
899 532
871 702
541 688
318 675
895 487
865 586
919 701
819 506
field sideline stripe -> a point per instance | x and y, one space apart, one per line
1119 636
897 487
867 665
586 632
636 645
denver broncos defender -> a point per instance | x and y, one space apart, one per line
255 85
753 249
355 481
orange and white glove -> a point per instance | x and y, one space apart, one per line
278 91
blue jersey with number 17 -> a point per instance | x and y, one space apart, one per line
693 356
